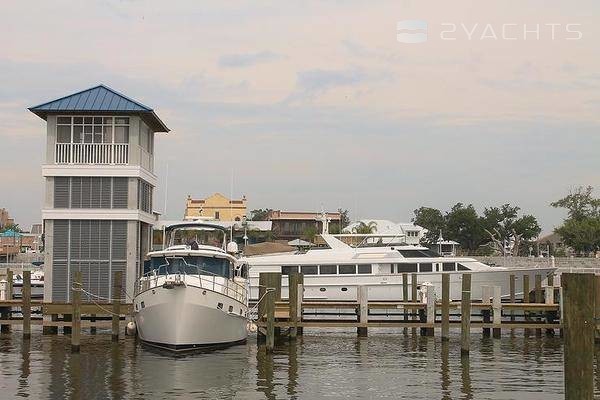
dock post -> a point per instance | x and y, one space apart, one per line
445 307
270 310
485 313
538 299
465 315
414 297
363 301
596 307
579 326
76 302
526 332
513 298
26 306
497 312
6 311
430 290
294 281
116 300
300 329
405 299
93 328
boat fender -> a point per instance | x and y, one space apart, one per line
251 327
131 328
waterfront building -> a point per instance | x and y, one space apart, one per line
5 218
216 207
99 182
412 233
289 225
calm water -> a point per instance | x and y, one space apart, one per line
335 365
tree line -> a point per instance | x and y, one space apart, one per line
503 229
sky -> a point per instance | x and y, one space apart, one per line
303 105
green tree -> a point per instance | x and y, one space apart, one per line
363 228
507 230
581 229
431 219
9 227
259 214
309 234
344 218
464 226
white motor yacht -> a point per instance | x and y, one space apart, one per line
194 293
334 273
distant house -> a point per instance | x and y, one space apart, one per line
5 218
289 225
551 244
412 233
216 207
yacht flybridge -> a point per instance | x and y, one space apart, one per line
334 273
194 293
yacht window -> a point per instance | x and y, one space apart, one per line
418 253
406 267
192 265
364 268
309 269
288 269
448 266
328 269
347 269
425 267
462 267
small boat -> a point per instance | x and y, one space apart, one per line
194 293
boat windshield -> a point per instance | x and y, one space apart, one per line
190 265
199 236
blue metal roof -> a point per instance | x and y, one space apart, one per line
100 99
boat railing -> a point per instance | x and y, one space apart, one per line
205 279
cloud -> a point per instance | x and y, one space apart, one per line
248 59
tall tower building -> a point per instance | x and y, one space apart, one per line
99 177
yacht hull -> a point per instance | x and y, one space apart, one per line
390 287
181 318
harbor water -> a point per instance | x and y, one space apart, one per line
335 365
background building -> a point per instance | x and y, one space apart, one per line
217 207
288 225
5 219
99 183
412 233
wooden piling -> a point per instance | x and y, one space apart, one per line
26 307
294 279
596 307
270 283
76 303
465 314
430 309
6 311
363 310
116 300
497 312
538 299
485 313
512 280
405 298
445 307
579 325
93 328
9 284
414 296
526 300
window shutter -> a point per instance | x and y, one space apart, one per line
120 191
61 192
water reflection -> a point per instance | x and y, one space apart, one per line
338 365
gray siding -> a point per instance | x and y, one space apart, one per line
96 248
90 192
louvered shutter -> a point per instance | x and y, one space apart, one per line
120 191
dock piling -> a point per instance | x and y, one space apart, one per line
497 312
363 310
526 300
445 307
26 308
414 296
465 314
485 312
430 293
511 284
76 325
295 280
579 326
538 299
116 300
405 299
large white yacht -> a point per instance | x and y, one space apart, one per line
335 272
194 293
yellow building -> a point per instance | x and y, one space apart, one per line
216 207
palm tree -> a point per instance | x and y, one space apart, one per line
365 228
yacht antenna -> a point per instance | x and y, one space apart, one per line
166 191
